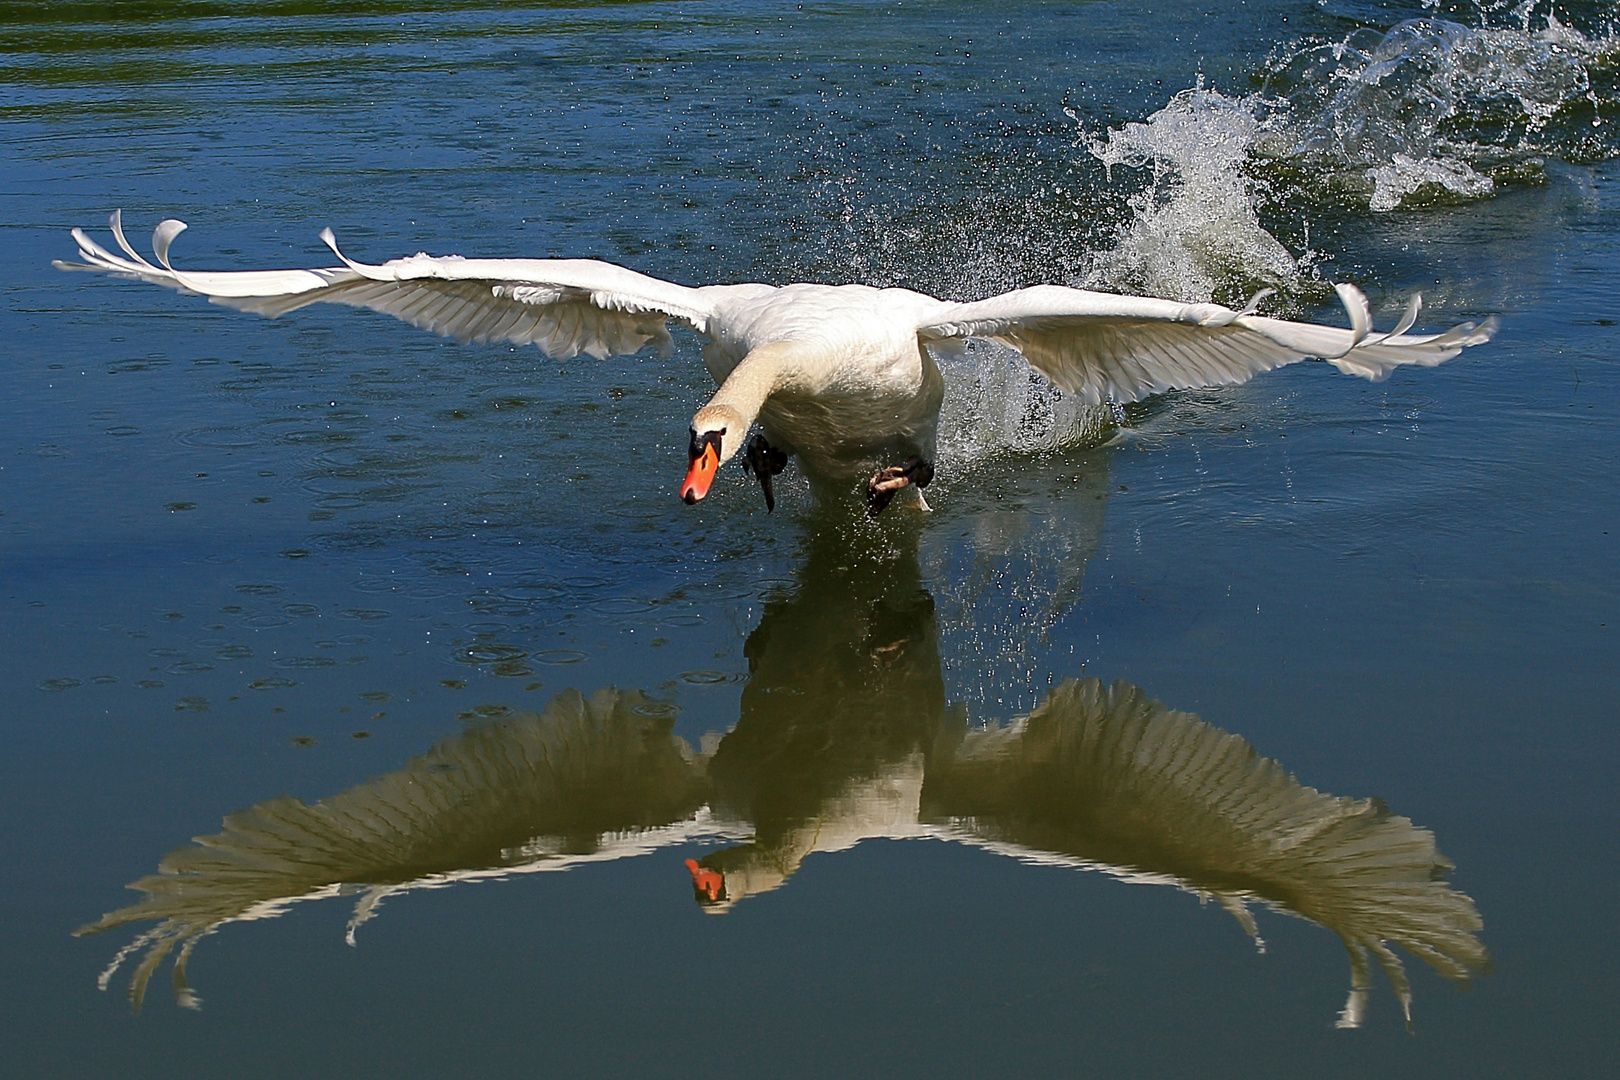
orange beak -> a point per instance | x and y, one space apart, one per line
705 463
705 882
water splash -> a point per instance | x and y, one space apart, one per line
1428 112
1433 111
1196 233
995 403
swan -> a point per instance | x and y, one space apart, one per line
839 376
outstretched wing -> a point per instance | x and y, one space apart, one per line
1103 347
564 306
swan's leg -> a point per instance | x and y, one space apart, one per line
764 461
885 482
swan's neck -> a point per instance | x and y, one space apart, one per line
736 404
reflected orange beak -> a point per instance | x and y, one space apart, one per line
705 463
708 884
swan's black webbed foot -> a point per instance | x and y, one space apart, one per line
764 461
885 482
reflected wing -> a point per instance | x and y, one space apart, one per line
1103 347
564 306
1109 776
586 780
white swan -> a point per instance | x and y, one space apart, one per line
839 375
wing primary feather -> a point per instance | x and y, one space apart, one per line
452 318
499 329
565 332
1253 306
117 223
1413 306
432 309
1355 304
1206 363
523 331
163 236
329 238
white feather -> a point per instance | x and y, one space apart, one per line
1104 347
565 306
834 374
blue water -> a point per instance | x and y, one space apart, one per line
243 559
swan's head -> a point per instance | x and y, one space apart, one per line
708 885
730 875
717 434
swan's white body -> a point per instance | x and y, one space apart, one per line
839 375
855 391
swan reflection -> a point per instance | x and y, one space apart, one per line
844 735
